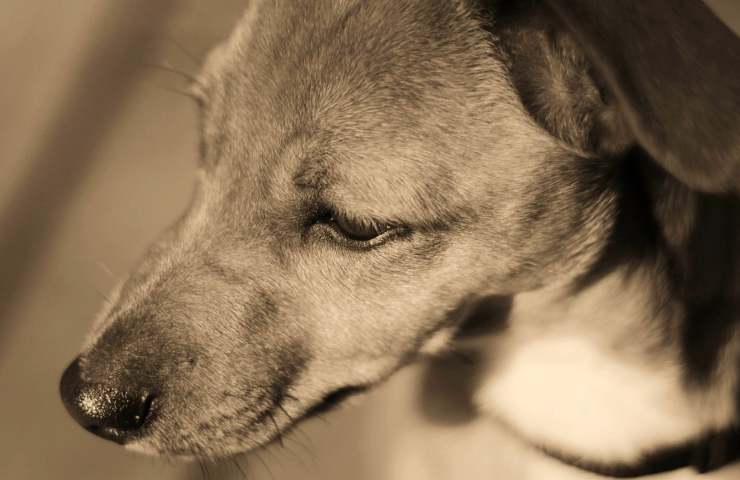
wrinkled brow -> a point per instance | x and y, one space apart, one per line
426 206
313 173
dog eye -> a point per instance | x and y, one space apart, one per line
356 232
359 231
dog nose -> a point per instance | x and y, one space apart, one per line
103 409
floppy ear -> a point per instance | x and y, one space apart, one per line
674 69
605 75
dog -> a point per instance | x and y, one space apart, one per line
373 171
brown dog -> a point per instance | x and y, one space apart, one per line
371 171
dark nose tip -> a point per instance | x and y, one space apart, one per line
105 410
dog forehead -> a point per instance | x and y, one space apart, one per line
380 99
350 65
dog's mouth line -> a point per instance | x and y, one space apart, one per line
268 419
269 416
334 398
328 402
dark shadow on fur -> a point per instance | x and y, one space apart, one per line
449 381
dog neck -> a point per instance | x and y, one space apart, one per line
641 355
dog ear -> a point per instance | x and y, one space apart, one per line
664 74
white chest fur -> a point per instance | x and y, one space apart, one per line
563 393
566 377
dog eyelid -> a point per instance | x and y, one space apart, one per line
360 230
357 232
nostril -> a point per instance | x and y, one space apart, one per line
104 409
144 405
104 406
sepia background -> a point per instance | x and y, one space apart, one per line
97 155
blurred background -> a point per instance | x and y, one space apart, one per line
98 149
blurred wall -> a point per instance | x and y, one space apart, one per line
97 154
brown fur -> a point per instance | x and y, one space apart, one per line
479 128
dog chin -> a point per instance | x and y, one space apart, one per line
203 450
196 454
143 448
329 402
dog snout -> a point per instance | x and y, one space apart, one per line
115 412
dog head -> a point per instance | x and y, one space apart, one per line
370 170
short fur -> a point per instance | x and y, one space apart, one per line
517 164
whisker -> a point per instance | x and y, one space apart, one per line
282 409
298 431
239 468
202 460
192 57
266 449
294 454
105 269
181 93
303 446
264 464
170 69
203 470
306 437
102 294
277 430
